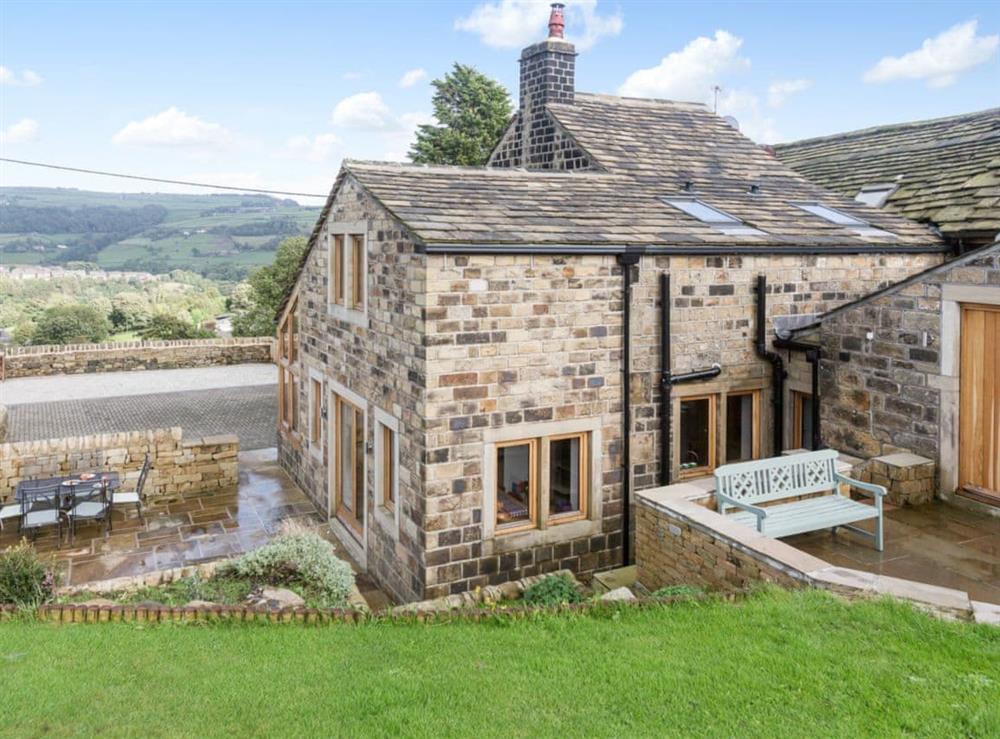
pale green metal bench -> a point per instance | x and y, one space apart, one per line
745 484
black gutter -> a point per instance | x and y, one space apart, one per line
705 374
627 260
691 251
812 353
777 367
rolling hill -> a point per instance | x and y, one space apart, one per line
221 236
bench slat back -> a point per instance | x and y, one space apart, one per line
778 477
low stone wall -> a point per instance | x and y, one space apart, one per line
4 423
71 359
179 467
681 539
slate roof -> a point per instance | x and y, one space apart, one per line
478 206
948 169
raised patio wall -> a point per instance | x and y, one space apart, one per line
180 467
71 359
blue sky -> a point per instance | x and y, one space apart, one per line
274 95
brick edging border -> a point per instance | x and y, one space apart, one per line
72 613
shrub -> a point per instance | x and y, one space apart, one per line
552 590
678 591
297 557
77 323
25 580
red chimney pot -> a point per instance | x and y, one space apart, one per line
557 24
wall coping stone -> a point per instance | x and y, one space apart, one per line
903 459
36 349
685 501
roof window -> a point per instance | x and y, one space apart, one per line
875 196
839 218
727 224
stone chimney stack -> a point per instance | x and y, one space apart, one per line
548 68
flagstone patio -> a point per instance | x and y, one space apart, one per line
936 543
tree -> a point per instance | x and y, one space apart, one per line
268 287
71 324
166 327
472 111
130 310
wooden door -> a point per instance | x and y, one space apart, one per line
979 437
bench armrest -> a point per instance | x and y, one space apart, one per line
760 513
877 491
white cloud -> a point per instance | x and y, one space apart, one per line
352 76
315 149
508 24
27 78
175 129
939 60
745 107
24 130
689 74
780 90
413 77
366 110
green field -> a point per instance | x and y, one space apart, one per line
218 235
779 664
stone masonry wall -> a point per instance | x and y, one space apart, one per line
672 551
35 361
383 362
881 367
179 468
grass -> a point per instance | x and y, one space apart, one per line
801 664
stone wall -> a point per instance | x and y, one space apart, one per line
4 423
379 358
179 467
35 361
889 377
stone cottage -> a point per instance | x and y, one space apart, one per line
915 368
466 349
944 172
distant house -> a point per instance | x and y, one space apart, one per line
479 365
944 172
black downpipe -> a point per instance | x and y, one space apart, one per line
627 261
812 356
777 367
668 380
666 386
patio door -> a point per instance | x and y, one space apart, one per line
979 436
347 461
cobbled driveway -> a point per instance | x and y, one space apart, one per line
250 412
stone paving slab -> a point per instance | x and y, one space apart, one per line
115 384
249 412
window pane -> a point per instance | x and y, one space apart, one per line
806 423
346 457
702 212
739 428
338 269
513 484
317 411
357 270
695 443
388 466
831 215
564 475
358 473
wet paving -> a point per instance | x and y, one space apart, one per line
936 543
188 531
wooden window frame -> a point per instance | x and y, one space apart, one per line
799 400
755 442
556 519
713 431
337 269
358 272
341 512
533 487
387 481
316 412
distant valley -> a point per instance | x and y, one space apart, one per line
219 236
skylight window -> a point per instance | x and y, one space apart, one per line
831 215
727 224
874 195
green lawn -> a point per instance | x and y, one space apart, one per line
778 664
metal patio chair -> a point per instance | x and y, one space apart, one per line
90 503
133 497
41 506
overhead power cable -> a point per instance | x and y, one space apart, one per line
160 179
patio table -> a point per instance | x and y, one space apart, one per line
68 491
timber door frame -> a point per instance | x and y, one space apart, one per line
354 539
979 397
